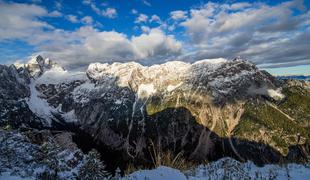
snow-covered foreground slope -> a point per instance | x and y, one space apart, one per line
34 154
226 168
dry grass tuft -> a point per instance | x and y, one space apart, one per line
168 158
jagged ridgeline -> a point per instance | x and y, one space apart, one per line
206 110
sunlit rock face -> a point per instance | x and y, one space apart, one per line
207 109
37 65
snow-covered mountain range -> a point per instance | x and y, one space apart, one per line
207 110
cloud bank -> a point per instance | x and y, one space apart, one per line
88 45
269 35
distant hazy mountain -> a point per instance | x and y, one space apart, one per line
296 77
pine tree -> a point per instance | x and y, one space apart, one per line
51 150
93 168
117 174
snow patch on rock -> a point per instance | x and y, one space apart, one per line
82 93
70 116
173 87
145 90
39 105
98 71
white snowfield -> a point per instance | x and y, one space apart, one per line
160 173
38 105
226 168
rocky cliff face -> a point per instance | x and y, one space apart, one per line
208 109
14 89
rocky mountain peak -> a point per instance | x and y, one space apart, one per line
222 78
36 66
37 59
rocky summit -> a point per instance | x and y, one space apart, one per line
205 110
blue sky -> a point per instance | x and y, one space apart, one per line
273 34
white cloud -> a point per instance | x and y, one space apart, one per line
87 2
155 18
86 45
95 8
146 3
104 4
145 29
178 15
58 5
171 27
107 44
55 14
238 6
87 20
110 13
134 11
270 35
156 43
141 18
72 18
21 20
257 31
